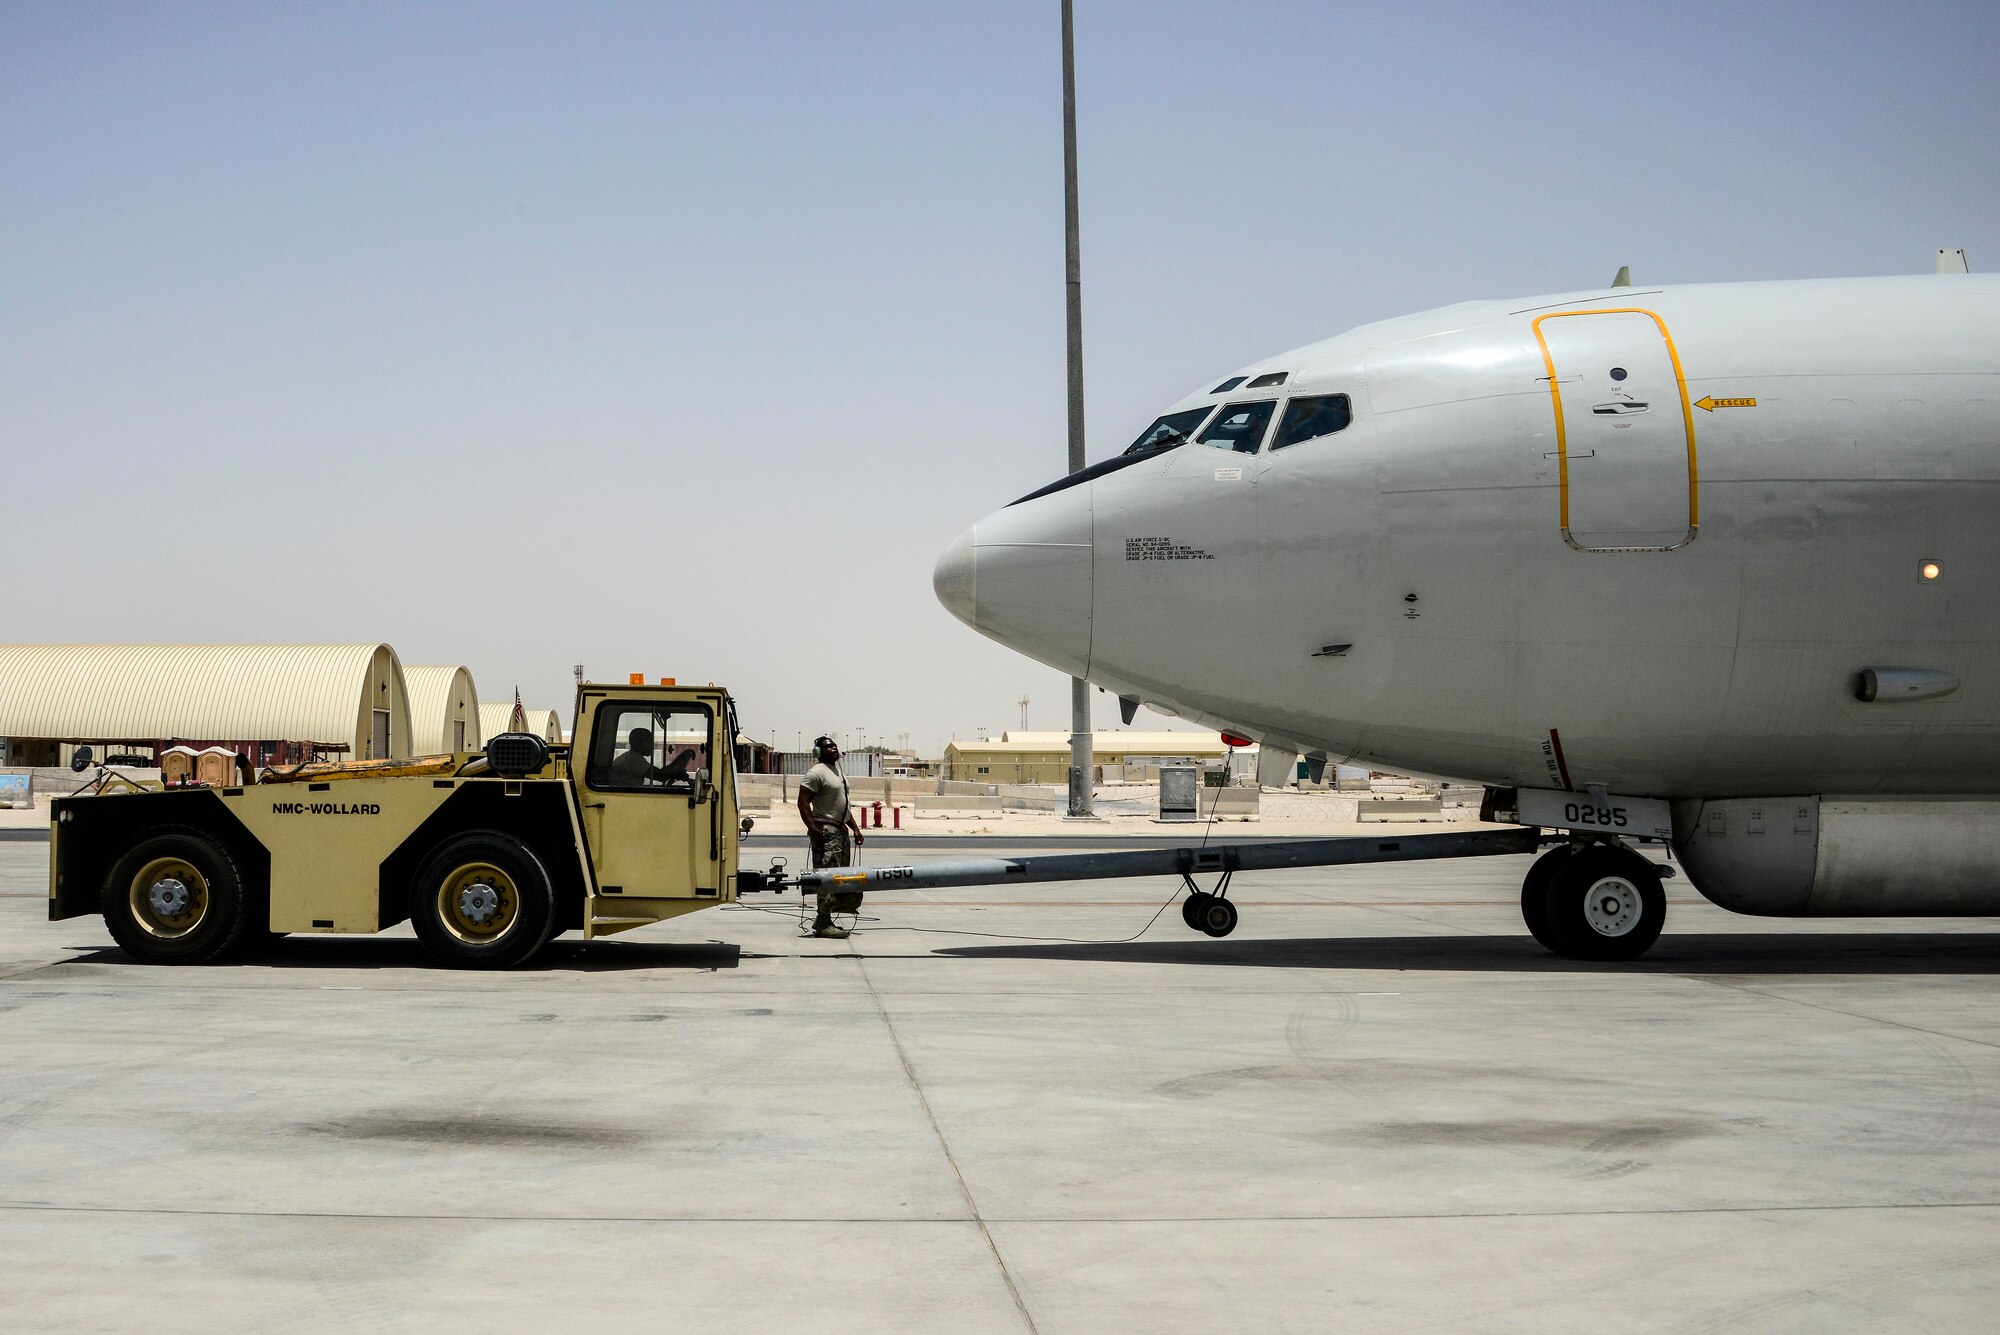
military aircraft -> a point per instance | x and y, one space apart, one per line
1713 565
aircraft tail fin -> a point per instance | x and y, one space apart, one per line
1624 278
1952 261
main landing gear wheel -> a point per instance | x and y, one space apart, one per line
1605 904
483 901
176 897
1535 895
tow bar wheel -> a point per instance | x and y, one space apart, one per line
175 897
483 901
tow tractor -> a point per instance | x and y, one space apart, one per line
488 854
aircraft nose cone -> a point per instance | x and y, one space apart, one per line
952 581
1022 577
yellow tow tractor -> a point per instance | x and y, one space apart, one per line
489 854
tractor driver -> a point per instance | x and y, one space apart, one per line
635 769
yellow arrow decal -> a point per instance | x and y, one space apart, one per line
1709 405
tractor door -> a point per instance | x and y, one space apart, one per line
643 767
1624 433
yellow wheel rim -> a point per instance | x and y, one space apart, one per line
169 898
478 903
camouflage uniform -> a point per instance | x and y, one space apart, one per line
834 847
832 842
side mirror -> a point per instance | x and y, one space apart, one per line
749 824
82 760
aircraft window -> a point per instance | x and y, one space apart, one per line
1228 384
1305 419
1239 427
1273 378
1173 429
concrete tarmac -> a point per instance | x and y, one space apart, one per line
1378 1106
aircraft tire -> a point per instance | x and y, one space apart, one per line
1535 896
483 901
1217 917
175 897
1191 908
1606 904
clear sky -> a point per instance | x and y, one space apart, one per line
680 338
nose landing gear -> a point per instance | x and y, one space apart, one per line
1594 901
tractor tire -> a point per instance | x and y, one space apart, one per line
175 897
483 900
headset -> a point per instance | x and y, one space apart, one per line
821 745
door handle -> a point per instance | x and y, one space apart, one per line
1619 409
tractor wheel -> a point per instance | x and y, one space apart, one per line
483 901
175 897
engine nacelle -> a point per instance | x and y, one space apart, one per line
1796 857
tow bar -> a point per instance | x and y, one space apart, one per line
1206 910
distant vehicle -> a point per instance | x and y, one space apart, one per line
488 854
1716 565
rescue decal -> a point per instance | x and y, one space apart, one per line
1709 405
326 808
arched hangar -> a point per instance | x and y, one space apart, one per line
444 710
270 703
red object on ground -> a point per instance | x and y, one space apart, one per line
878 815
896 817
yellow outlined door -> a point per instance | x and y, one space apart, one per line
1624 431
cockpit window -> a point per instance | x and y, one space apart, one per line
1173 429
1305 419
1239 427
1269 378
1229 384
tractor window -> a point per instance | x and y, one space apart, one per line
1308 419
1239 427
648 748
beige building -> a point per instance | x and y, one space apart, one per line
1043 757
444 709
494 714
270 703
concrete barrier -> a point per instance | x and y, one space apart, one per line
1399 809
1032 797
927 803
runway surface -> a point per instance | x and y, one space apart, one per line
1378 1106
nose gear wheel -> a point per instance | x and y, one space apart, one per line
1611 906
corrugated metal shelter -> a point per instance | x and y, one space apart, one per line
273 703
493 716
444 709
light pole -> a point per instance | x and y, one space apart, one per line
1080 763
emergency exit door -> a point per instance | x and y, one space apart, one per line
1624 431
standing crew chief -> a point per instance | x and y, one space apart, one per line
824 808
